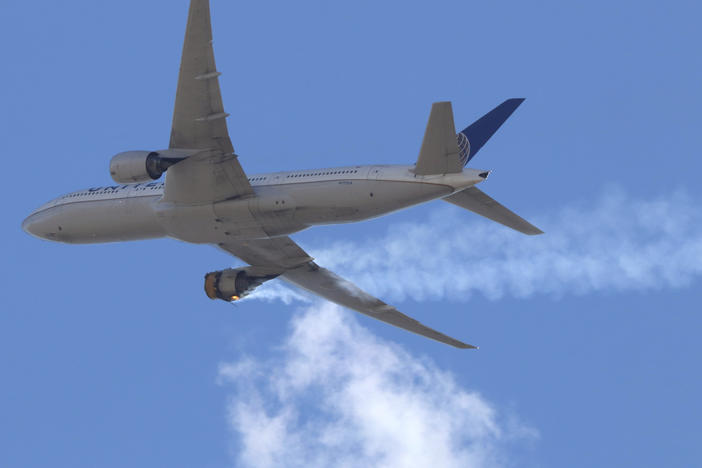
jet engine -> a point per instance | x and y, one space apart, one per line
140 166
233 284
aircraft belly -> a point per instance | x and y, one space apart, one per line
359 200
328 202
102 221
208 223
274 209
237 221
189 223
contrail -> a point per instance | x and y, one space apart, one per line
616 243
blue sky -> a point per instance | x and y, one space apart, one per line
111 355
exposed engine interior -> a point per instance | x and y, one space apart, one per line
234 284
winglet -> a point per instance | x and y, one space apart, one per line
480 131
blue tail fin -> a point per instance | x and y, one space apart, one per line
473 137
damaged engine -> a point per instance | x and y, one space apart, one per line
233 284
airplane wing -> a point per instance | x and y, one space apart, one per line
299 269
199 123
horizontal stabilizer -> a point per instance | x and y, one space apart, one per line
439 152
478 202
480 131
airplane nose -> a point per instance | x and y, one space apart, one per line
29 225
46 223
38 225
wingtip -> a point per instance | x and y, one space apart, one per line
467 346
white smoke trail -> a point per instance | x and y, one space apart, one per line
335 395
617 243
277 291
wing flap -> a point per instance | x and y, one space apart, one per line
277 252
204 178
479 202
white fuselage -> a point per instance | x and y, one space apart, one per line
284 203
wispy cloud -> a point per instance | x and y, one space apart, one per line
615 243
335 395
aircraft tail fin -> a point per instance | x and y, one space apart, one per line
439 153
473 137
479 202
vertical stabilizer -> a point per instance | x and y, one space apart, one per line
480 131
439 153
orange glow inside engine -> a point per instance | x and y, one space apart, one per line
235 298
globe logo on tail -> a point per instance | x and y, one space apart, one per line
463 148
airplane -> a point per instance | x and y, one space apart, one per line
207 198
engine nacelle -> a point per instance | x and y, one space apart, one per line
140 166
233 284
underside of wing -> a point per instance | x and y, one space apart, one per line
199 123
297 267
326 284
199 120
278 252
